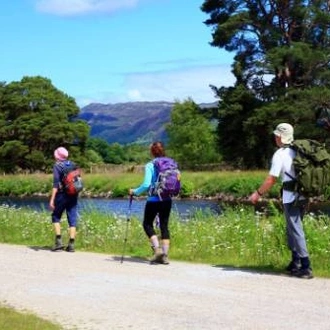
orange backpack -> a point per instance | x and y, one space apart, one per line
72 182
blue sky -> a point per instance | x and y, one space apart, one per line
111 51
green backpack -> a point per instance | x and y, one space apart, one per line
312 167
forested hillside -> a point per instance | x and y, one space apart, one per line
140 122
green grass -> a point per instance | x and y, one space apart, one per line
14 320
116 184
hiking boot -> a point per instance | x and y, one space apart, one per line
157 257
58 245
292 268
304 273
70 248
165 260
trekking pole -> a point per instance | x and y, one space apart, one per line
126 231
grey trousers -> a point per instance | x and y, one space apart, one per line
294 213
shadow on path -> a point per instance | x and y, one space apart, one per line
270 270
128 259
40 248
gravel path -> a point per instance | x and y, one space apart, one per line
95 291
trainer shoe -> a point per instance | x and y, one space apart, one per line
304 273
70 248
165 260
157 257
58 245
292 268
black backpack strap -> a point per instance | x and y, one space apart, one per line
290 185
289 175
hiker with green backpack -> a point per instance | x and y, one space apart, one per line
294 202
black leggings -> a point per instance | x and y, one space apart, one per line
163 208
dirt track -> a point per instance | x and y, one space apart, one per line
95 291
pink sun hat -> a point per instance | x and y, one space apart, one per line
61 153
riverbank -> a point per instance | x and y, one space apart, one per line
224 187
227 188
217 185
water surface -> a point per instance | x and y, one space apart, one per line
185 208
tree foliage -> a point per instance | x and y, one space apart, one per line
281 65
192 139
36 118
100 151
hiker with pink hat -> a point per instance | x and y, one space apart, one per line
60 201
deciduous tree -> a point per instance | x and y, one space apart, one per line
192 138
36 118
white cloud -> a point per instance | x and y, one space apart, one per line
81 7
178 84
134 94
170 86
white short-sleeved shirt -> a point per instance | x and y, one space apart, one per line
282 164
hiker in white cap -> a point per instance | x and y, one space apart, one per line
294 205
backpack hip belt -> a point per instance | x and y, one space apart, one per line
290 185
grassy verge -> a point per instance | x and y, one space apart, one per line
194 184
14 320
236 238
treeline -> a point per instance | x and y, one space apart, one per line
282 71
191 141
36 118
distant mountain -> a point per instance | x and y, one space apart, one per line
139 122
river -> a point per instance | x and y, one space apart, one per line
119 207
185 208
